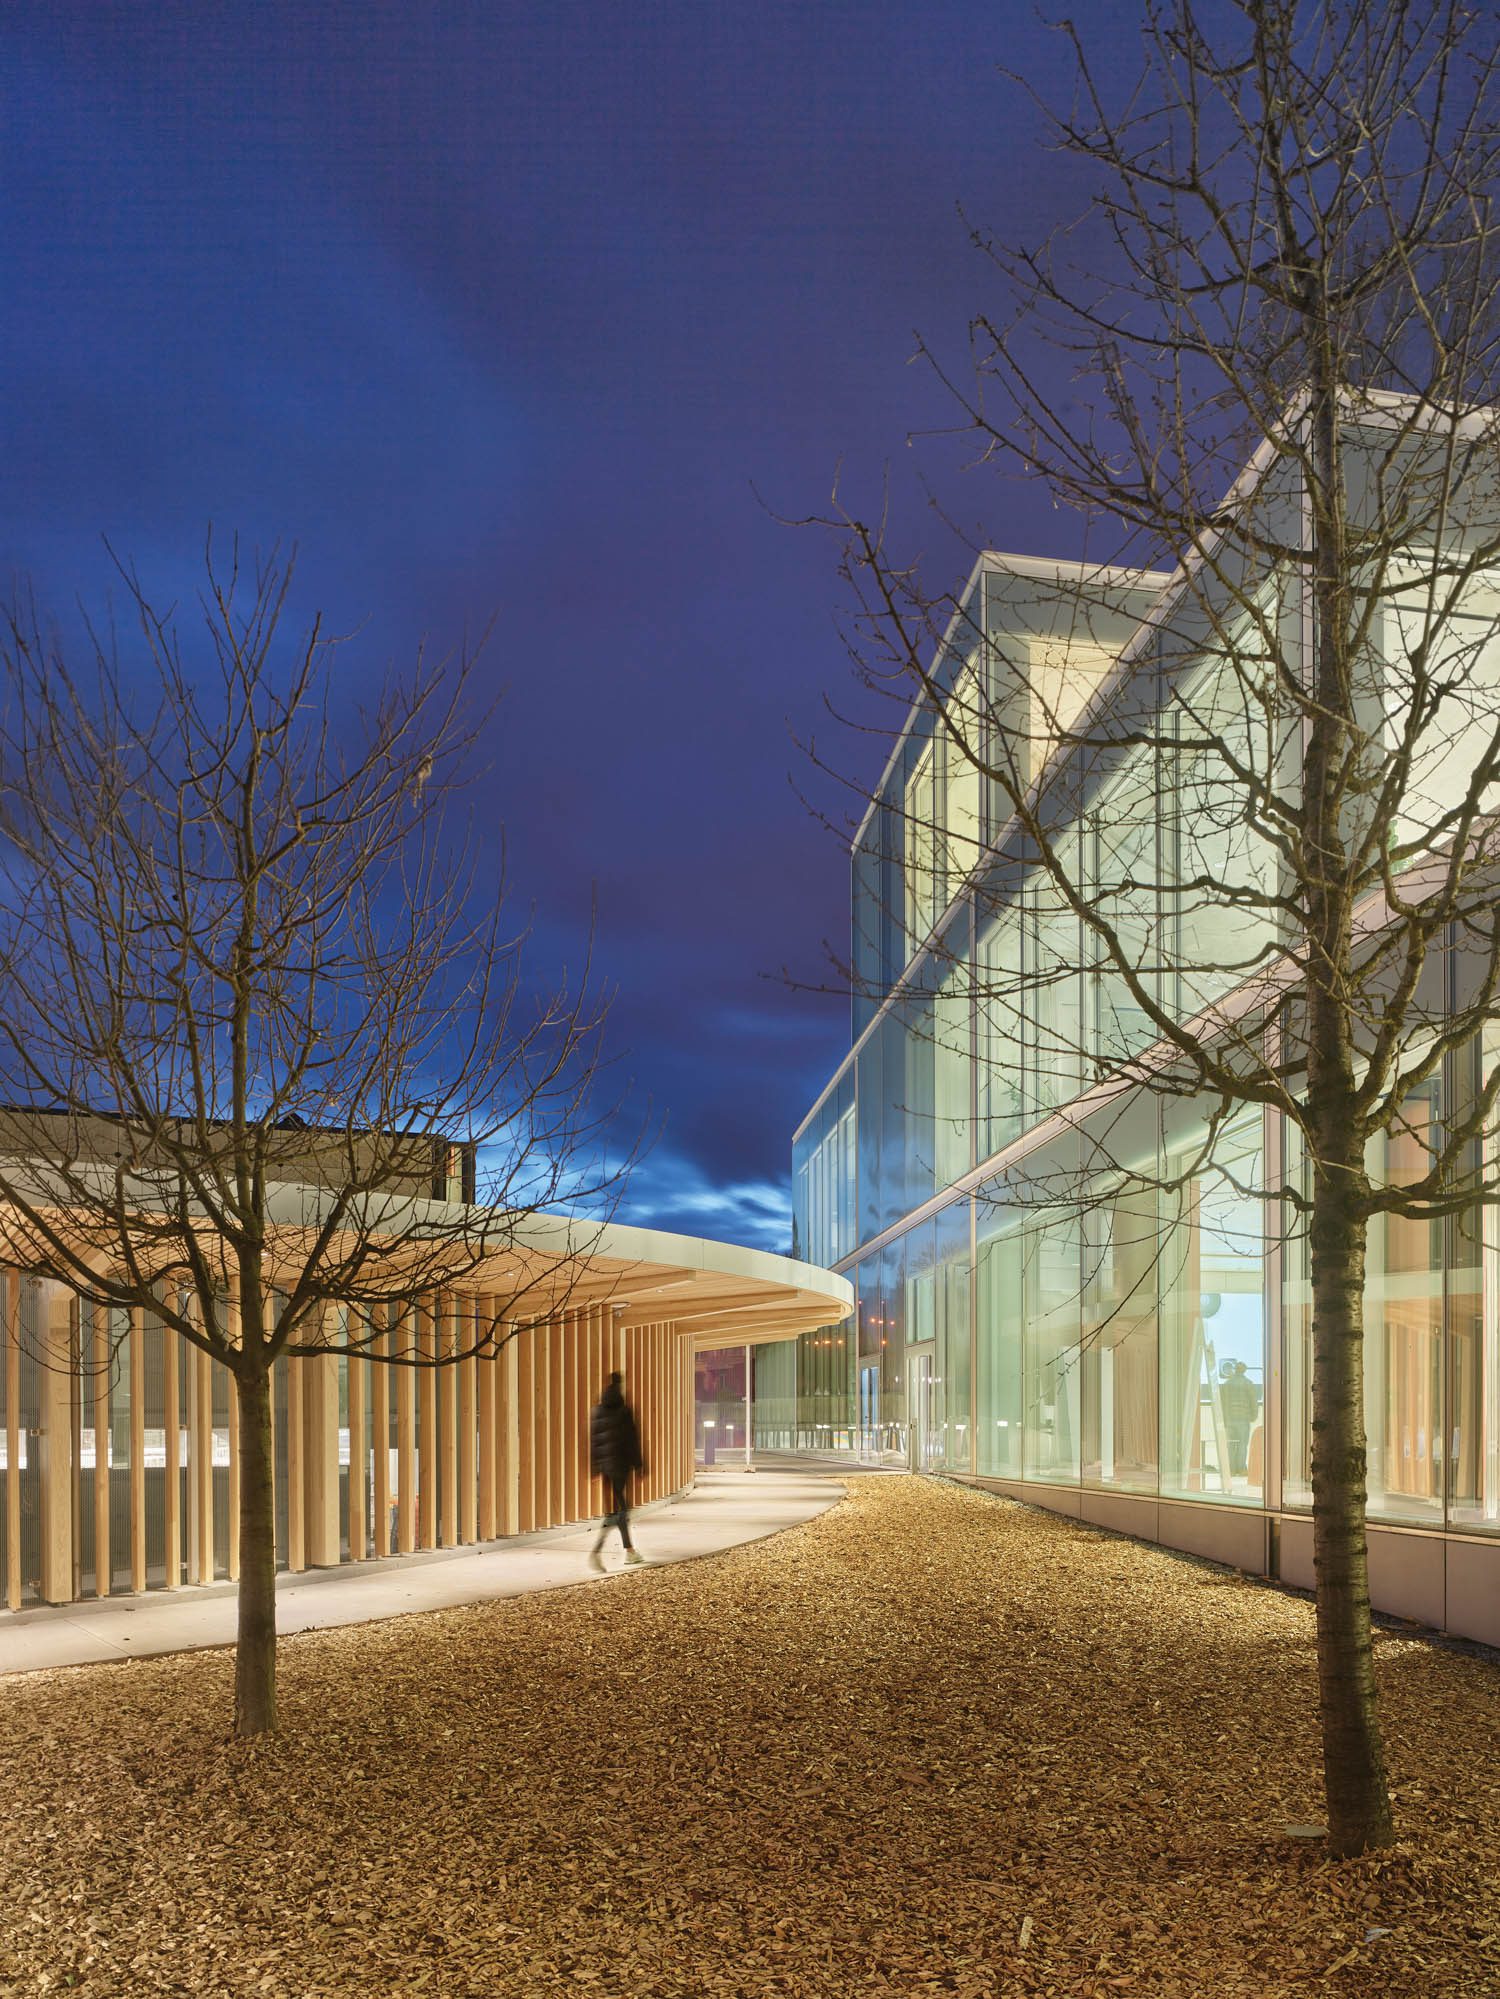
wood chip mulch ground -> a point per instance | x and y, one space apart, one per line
929 1743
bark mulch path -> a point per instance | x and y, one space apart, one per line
930 1742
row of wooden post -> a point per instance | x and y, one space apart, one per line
490 1445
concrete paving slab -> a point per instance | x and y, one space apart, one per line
725 1509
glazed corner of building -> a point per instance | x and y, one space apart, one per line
873 1394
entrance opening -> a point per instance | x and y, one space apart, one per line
920 1442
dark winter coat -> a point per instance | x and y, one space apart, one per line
614 1441
1239 1400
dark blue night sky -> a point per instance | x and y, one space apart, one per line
542 314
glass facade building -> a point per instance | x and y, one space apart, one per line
1128 1343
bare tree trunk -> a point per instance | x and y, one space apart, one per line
255 1653
1359 1811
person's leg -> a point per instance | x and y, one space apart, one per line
622 1510
596 1553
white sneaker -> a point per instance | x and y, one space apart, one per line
634 1559
596 1560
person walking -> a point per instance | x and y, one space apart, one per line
1240 1400
614 1455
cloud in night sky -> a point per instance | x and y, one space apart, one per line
537 315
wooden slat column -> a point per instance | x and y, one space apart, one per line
681 1416
659 1399
296 1491
524 1413
57 1446
562 1425
320 1438
468 1422
674 1408
427 1427
380 1432
689 1413
208 1511
663 1415
508 1432
678 1423
542 1423
205 1476
646 1404
681 1355
235 1329
358 1367
668 1411
577 1416
590 1382
137 1338
12 1309
557 1424
598 1375
446 1384
674 1428
535 1419
276 1399
171 1353
653 1404
678 1480
622 1360
193 1452
100 1359
639 1382
669 1455
659 1396
404 1334
487 1372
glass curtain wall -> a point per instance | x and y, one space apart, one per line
1124 1341
1054 994
1051 1351
1432 1320
1405 1390
1213 1321
773 1409
1123 871
1121 1237
878 940
1472 1423
1121 1340
823 1179
998 1043
1000 1315
1221 866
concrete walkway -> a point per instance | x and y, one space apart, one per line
725 1509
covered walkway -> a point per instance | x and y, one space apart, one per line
725 1509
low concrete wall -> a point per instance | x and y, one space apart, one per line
1443 1580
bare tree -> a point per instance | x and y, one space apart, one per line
257 997
1267 823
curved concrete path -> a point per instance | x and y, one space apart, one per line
725 1509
